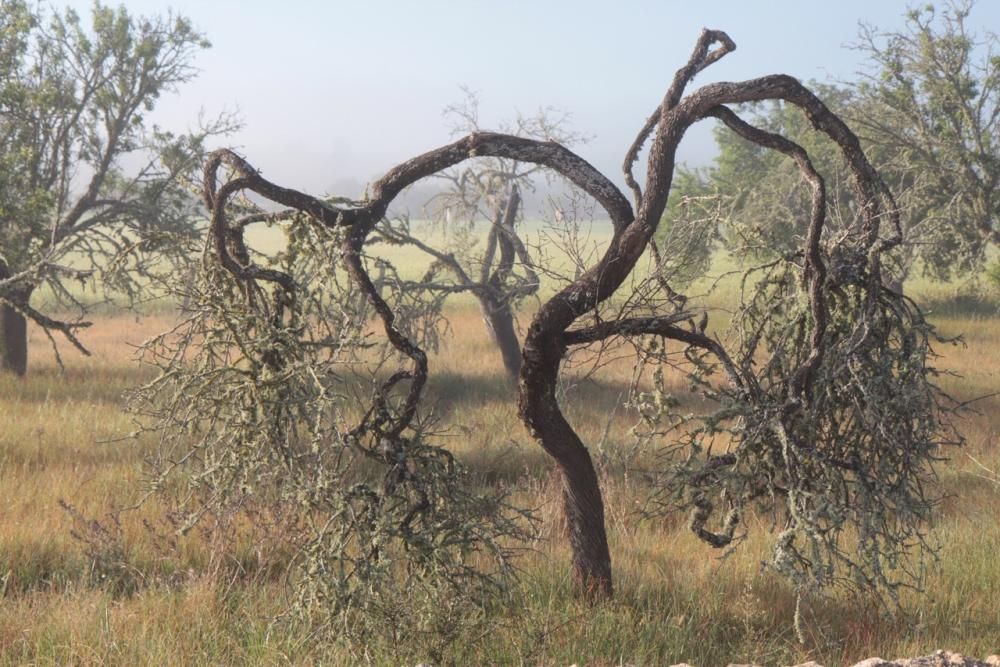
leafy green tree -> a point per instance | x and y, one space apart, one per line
689 231
90 190
761 201
931 104
928 117
765 188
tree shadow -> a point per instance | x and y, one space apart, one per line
96 384
450 393
966 303
477 417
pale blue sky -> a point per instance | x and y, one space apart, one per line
346 88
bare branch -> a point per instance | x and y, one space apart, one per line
700 58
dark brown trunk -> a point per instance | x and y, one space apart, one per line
13 340
582 503
584 511
499 321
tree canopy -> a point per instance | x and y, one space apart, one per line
927 111
90 190
821 407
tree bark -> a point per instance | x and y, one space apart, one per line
13 333
499 319
584 511
583 506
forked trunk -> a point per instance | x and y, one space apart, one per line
499 321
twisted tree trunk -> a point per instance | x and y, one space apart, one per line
583 506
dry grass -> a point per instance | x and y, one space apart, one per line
133 595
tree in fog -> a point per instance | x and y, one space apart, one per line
484 193
90 191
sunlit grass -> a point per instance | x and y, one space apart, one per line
185 602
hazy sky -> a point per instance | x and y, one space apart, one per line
344 89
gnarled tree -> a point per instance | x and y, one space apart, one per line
825 409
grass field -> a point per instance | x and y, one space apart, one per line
126 592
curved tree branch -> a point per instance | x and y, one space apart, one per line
815 269
700 58
549 333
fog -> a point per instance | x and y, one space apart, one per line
332 94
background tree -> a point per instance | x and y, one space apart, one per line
752 182
931 104
927 113
90 191
485 193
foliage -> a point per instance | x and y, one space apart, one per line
926 112
765 201
930 104
262 395
993 274
826 418
689 231
844 477
89 189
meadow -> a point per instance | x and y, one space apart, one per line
84 583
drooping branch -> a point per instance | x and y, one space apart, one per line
482 144
266 403
351 246
815 269
254 182
223 236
